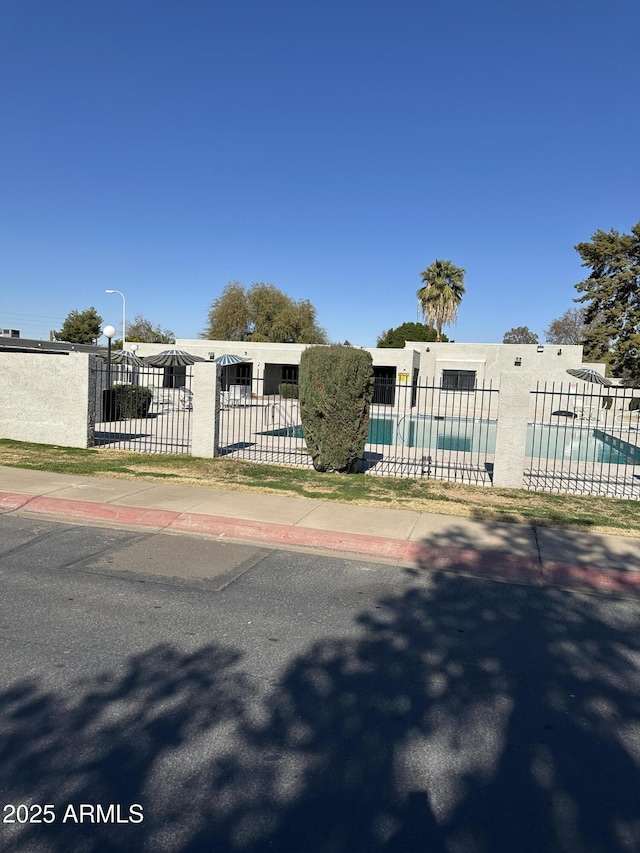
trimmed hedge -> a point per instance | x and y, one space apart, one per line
288 390
132 401
336 387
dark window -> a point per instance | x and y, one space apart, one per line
458 380
237 374
290 373
414 387
384 385
175 377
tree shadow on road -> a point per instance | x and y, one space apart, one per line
463 715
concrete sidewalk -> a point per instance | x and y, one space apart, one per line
510 552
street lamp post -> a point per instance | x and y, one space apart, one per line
134 366
124 315
109 332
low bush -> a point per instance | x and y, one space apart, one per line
288 390
336 387
132 401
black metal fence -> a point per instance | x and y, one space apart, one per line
415 430
584 442
143 408
579 442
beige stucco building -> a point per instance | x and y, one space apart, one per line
449 365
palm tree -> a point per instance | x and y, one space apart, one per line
441 294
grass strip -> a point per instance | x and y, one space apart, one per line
570 512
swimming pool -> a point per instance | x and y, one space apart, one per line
418 431
478 435
380 431
544 441
579 444
433 432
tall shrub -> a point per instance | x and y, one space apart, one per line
335 386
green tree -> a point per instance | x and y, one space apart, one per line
441 294
520 335
335 390
143 331
228 317
262 313
396 338
267 305
80 327
612 299
297 324
569 329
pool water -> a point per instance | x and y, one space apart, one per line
579 444
380 431
544 441
469 435
465 435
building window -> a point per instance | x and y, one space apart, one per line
384 385
174 377
290 373
458 380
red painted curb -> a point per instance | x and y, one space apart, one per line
487 564
493 565
285 534
586 578
13 500
137 516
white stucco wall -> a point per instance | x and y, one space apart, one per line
539 363
542 363
205 417
258 353
262 353
511 434
46 398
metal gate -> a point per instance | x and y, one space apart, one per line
584 442
143 408
415 430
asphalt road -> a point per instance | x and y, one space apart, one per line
169 693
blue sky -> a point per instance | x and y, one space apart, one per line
333 149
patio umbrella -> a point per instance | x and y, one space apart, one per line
130 359
226 360
172 358
588 375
